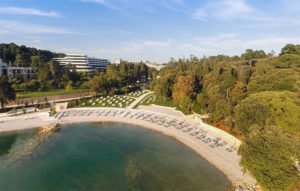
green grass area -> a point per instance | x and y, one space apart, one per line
157 100
136 94
119 101
53 92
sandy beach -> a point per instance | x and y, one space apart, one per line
225 158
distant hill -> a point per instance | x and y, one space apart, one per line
21 55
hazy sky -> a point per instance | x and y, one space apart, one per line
150 29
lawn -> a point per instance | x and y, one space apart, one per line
53 92
157 100
119 101
137 94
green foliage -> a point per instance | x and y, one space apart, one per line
275 80
48 73
288 61
249 112
7 93
250 54
69 87
270 154
185 91
22 55
290 49
119 78
158 100
222 109
163 84
264 65
99 84
269 108
52 92
254 89
238 92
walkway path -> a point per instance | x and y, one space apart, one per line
138 100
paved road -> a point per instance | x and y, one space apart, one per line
131 106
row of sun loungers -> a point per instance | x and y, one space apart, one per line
162 120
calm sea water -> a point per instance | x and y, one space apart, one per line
104 157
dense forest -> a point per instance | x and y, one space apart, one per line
22 55
122 78
256 96
49 74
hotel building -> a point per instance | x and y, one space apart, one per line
83 63
11 71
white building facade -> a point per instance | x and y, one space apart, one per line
154 65
3 67
12 71
83 63
147 63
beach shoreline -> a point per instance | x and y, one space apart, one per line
227 162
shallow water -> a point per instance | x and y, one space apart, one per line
102 156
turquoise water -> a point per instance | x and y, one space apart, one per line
108 156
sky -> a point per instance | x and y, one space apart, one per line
154 30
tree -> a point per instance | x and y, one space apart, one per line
6 91
269 108
125 89
185 91
99 84
270 154
19 59
44 74
288 61
257 54
37 61
123 71
69 87
238 92
163 87
275 80
290 49
163 84
12 53
223 109
202 101
112 72
144 70
213 94
263 66
23 87
56 70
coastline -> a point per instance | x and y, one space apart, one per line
227 162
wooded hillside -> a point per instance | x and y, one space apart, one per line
256 95
21 55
